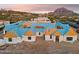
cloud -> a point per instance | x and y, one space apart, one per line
39 7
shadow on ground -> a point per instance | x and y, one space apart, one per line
41 47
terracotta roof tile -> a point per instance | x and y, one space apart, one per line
57 33
10 35
29 33
47 32
71 32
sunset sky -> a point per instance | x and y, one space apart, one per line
39 8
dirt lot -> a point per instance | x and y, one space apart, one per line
41 47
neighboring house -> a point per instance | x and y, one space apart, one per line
6 22
58 37
41 19
61 33
71 35
29 36
61 29
49 34
11 38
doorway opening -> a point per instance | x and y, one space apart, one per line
57 39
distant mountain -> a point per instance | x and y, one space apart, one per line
63 12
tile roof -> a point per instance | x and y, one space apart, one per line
16 27
47 32
29 33
57 33
10 35
71 32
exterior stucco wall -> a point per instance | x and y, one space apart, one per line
14 41
3 31
47 37
74 38
19 39
60 38
37 34
25 38
2 42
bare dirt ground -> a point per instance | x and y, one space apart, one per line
41 47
